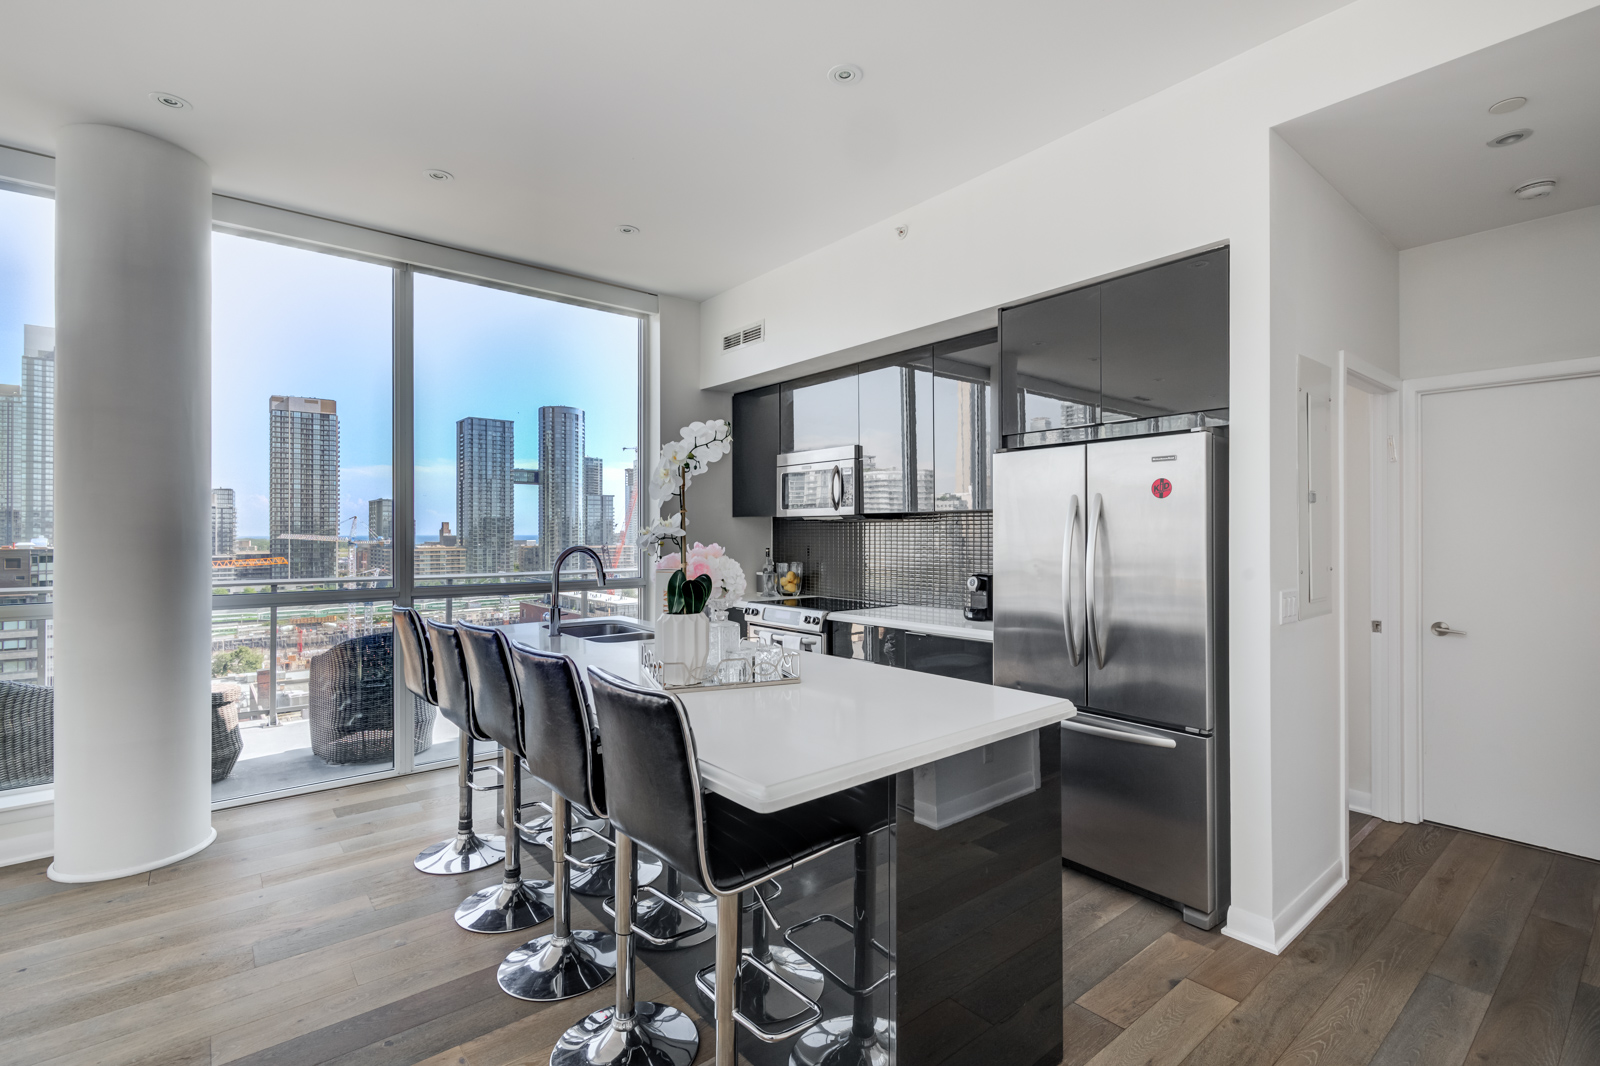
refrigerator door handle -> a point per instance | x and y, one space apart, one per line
1091 615
1074 646
1117 734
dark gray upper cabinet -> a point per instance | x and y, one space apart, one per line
1050 362
1139 346
1164 339
755 451
821 411
897 423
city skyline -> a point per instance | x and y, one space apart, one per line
290 321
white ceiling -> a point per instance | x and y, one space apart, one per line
1412 156
710 124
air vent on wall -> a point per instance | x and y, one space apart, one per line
740 337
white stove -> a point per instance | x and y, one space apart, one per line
795 621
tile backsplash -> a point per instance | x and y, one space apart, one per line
917 559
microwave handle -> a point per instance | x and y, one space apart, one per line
836 487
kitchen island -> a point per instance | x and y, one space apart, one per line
967 918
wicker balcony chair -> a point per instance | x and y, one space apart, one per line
27 734
226 743
352 703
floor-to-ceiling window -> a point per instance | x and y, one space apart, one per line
526 438
27 488
302 492
520 419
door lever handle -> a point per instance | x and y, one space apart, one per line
1444 630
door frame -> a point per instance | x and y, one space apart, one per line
1412 393
1384 593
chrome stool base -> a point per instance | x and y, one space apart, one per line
462 854
506 908
544 970
659 1036
833 1042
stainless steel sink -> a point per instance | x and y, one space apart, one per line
610 630
621 638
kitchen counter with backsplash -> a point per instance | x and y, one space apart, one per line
935 621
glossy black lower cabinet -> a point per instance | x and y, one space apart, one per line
966 953
967 660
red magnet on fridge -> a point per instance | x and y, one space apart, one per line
1161 488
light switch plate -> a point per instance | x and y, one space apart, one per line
1288 606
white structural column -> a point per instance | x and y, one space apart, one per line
133 467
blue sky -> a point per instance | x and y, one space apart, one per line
27 273
290 321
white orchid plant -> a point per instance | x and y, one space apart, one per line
702 444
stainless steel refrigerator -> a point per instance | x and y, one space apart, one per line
1110 564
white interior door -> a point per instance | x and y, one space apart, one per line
1511 564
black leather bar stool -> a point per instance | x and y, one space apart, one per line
653 795
466 851
564 753
493 710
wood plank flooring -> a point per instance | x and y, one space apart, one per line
303 937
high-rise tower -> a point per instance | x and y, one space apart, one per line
598 509
12 421
561 481
304 486
380 519
224 522
38 466
484 507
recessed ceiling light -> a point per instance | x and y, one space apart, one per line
1534 189
627 230
172 100
439 175
1508 105
845 74
1505 140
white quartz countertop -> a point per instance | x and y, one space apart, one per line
846 723
936 621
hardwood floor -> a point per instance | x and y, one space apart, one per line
303 936
1445 949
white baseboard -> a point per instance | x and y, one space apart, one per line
27 826
1360 802
1279 933
1250 928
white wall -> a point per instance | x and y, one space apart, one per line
1178 171
677 400
1512 296
1334 288
1358 596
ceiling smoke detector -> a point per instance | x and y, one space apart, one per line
845 74
1534 189
1506 140
172 100
1508 105
627 230
439 175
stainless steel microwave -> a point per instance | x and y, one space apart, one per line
825 483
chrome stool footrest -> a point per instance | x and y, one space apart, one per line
849 927
658 918
810 1014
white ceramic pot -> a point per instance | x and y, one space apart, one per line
682 643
